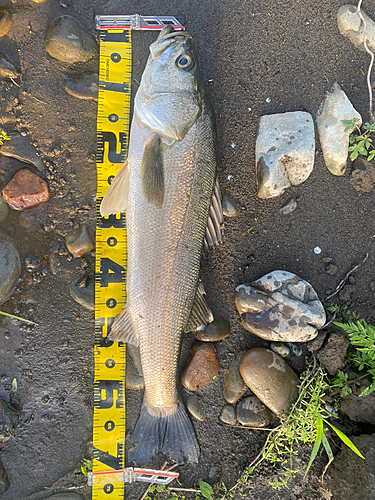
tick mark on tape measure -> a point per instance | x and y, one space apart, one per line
110 363
111 242
113 118
109 425
111 303
115 57
108 488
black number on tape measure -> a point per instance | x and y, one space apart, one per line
110 179
113 144
110 363
110 460
123 87
110 272
108 488
111 303
114 220
115 57
102 340
106 388
113 118
111 242
109 425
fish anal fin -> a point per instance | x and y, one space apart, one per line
123 329
201 314
215 220
116 197
152 174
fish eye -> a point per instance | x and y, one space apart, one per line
185 62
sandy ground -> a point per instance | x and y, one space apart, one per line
288 52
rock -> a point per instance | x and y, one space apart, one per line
82 291
10 265
228 415
25 190
19 148
280 307
253 413
194 407
79 242
201 368
4 480
359 408
66 496
230 206
234 386
85 88
362 178
8 422
7 67
331 269
31 263
289 207
270 378
345 295
5 22
68 41
4 209
219 329
333 138
351 477
350 25
280 349
316 344
284 152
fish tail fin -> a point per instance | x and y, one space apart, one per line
170 433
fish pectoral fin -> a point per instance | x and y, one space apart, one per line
201 314
123 329
152 173
215 220
116 197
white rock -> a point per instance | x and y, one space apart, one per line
333 138
284 151
351 26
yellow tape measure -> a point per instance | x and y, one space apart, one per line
111 263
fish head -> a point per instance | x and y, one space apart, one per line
169 99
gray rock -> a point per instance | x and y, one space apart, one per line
350 25
217 330
4 480
83 291
234 386
280 349
289 207
8 422
10 265
85 88
280 307
230 206
19 147
79 242
194 406
68 41
228 415
5 22
4 209
253 413
333 138
8 68
66 496
284 152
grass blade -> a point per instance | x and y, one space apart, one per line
329 453
318 441
346 440
17 317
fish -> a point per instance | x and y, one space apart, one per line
169 189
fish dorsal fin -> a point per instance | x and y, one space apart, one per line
152 174
123 329
201 314
215 220
116 197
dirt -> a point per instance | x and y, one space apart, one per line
256 58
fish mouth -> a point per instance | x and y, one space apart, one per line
167 38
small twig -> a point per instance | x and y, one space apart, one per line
162 468
371 62
329 322
184 489
343 281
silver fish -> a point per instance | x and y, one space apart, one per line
168 187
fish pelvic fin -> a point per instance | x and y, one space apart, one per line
200 314
215 220
116 197
171 433
152 173
123 329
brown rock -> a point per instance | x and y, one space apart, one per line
219 329
201 368
228 415
234 386
332 356
5 22
253 413
26 190
270 378
79 242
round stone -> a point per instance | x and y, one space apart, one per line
7 67
194 406
79 242
10 265
5 22
85 88
68 41
8 422
230 206
234 386
83 291
201 367
25 190
253 413
270 378
280 349
4 209
219 329
228 415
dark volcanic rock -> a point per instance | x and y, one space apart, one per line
26 190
